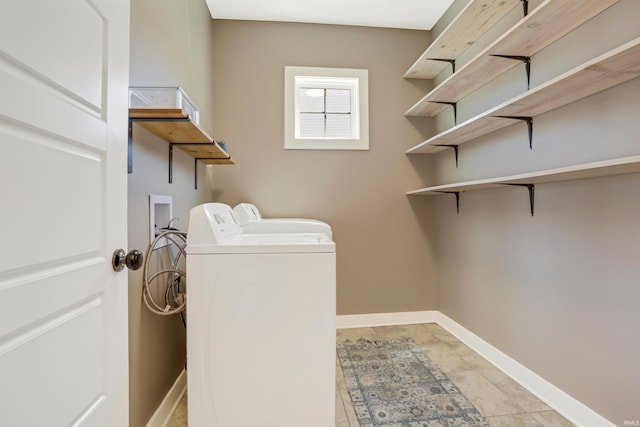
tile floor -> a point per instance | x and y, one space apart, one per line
503 401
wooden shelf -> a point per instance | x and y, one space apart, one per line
615 67
620 166
546 24
175 127
473 21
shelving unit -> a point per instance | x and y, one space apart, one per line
175 127
619 166
614 67
551 20
473 21
546 24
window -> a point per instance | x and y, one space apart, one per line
326 109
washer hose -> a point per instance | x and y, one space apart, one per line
174 300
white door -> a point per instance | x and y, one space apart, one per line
63 135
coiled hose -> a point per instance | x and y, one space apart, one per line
175 284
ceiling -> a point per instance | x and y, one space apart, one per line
409 14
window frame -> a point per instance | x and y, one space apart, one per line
327 78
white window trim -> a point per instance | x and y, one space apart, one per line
360 141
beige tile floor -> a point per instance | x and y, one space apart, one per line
503 401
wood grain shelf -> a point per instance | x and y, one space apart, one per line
175 127
546 24
614 67
619 166
477 17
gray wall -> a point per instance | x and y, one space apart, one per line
170 46
559 291
385 258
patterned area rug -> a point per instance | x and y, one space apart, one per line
394 384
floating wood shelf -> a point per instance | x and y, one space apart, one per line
175 127
473 21
619 166
617 66
546 24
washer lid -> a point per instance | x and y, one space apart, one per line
267 243
287 225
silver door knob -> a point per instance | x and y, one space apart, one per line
133 260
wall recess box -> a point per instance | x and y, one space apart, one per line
160 213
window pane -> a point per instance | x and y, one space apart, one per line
338 101
338 126
311 100
311 125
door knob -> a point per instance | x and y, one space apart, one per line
133 260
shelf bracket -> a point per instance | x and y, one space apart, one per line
529 121
455 150
527 64
130 141
171 144
130 148
195 173
195 161
195 169
455 109
457 194
525 6
171 163
448 61
532 193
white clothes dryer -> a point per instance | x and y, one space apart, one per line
261 335
252 221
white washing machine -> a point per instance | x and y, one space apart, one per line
261 336
252 221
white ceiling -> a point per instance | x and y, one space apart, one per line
410 14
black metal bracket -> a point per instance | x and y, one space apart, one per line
195 170
171 144
130 139
195 160
171 163
130 148
527 64
525 6
448 61
455 109
457 194
529 121
455 150
532 193
195 173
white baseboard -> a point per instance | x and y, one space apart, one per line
564 404
385 319
567 406
161 417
